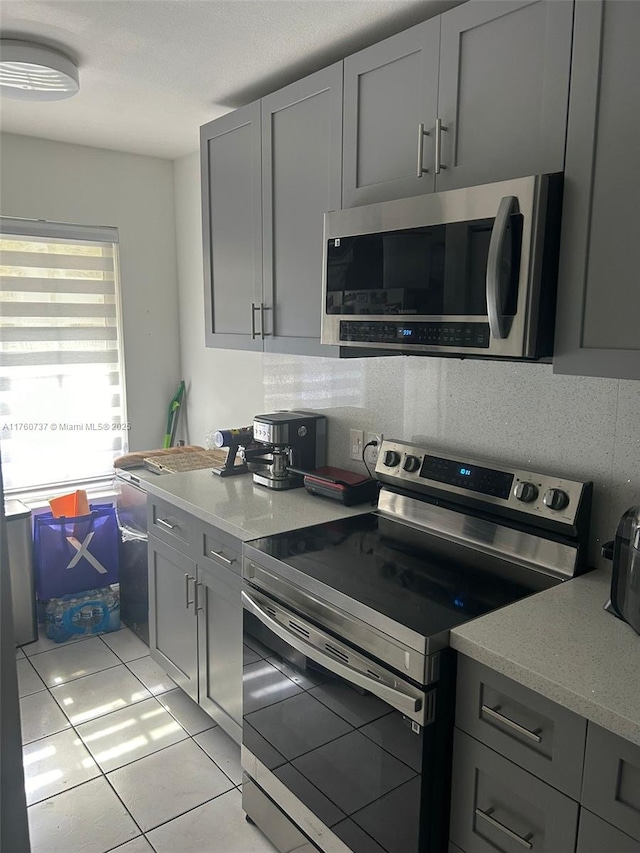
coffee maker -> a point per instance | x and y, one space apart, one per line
287 440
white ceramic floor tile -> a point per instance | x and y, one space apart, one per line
138 845
152 675
75 661
167 784
131 733
101 693
40 716
224 751
88 819
217 826
54 764
187 713
125 644
44 644
28 679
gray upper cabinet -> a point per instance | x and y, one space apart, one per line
597 332
231 168
301 180
503 91
390 92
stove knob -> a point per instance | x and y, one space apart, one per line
391 458
555 499
526 492
411 464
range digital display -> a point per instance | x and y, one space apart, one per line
487 481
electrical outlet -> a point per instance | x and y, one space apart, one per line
371 453
356 443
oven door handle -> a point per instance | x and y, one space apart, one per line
495 297
403 702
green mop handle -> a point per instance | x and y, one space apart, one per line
174 405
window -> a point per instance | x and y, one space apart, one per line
62 400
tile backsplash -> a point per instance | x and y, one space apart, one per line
578 427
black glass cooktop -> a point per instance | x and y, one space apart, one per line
419 580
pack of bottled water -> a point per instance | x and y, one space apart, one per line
94 611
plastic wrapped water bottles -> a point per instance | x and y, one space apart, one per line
94 611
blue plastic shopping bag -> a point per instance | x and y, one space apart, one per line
75 554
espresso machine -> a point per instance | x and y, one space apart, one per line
285 441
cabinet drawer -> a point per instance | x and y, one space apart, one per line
214 547
169 524
596 835
611 786
497 806
532 731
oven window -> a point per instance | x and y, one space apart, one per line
351 758
434 270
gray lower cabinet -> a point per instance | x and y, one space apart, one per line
173 634
598 836
195 615
220 647
598 296
231 174
497 806
301 181
487 81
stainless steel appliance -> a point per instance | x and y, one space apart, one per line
23 592
467 272
286 440
625 575
131 512
348 678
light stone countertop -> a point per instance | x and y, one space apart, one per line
563 644
241 508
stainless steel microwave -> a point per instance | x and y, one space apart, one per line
468 272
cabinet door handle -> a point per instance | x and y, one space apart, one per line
511 724
263 308
187 601
222 557
164 523
522 840
198 587
438 158
420 171
254 308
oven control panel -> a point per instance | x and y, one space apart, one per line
421 468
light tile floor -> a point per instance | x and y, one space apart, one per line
117 757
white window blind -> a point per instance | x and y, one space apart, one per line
62 400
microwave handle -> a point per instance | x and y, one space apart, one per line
497 326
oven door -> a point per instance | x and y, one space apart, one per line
347 749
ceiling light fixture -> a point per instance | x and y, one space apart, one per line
32 72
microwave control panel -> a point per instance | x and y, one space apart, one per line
419 333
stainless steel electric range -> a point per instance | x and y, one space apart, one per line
348 678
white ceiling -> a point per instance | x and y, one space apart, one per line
153 71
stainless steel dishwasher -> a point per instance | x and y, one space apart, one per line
23 595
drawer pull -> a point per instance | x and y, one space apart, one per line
500 718
525 842
164 523
222 557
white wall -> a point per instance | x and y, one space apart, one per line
224 388
42 179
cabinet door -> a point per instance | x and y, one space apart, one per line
302 148
173 625
232 229
597 836
598 297
220 647
504 84
389 90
